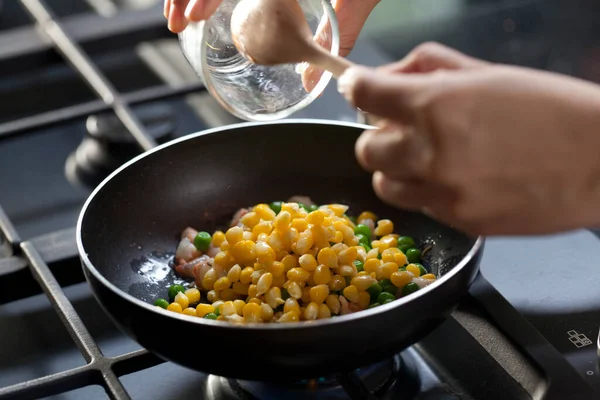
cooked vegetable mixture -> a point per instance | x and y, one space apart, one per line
293 261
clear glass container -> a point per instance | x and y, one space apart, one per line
255 92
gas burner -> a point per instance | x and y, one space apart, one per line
393 378
108 144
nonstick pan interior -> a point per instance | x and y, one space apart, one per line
130 227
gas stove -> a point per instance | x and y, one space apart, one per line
95 82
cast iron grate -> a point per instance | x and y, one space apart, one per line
38 256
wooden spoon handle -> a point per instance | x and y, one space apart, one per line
334 64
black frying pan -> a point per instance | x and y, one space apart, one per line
137 214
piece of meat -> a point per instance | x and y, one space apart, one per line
213 251
235 221
189 233
345 308
307 201
186 250
423 282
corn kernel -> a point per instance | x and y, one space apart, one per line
391 241
240 288
348 270
361 273
306 294
327 257
338 248
282 221
264 212
291 305
322 275
308 262
273 297
213 295
388 254
175 307
305 242
294 290
193 295
234 235
386 270
372 265
289 238
251 312
191 311
252 291
217 238
348 256
298 274
264 252
337 283
319 236
401 278
262 228
363 282
300 224
217 304
244 251
247 235
228 294
292 316
347 232
373 253
182 299
228 308
223 259
311 312
275 241
289 262
319 293
221 318
413 269
264 283
292 208
210 277
222 283
266 312
256 274
362 254
400 258
279 280
276 268
203 309
351 293
429 277
365 215
324 311
239 306
384 227
250 219
234 273
246 275
338 209
363 300
379 245
253 300
333 303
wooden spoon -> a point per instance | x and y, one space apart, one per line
271 32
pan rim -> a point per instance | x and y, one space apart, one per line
89 266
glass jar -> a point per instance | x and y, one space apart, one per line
256 92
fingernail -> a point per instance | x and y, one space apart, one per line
346 82
195 10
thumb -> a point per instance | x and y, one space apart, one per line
386 95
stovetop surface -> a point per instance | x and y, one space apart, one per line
552 281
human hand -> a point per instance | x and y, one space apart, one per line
351 16
489 149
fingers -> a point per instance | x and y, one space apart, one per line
351 16
199 10
400 152
176 18
409 194
432 56
386 95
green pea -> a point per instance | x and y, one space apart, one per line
387 286
217 311
374 291
211 315
401 269
173 290
276 206
284 294
374 305
362 230
366 247
312 208
406 241
413 255
360 266
410 288
388 301
202 241
379 256
162 303
421 268
383 296
363 239
303 206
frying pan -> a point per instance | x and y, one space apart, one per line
130 226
